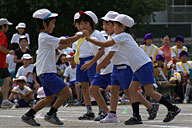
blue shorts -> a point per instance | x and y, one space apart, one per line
145 74
85 76
102 80
72 83
22 103
52 84
121 75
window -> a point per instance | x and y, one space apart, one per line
179 2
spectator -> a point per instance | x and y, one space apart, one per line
20 32
21 51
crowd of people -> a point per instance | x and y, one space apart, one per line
103 66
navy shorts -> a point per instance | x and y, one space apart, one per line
22 103
85 76
145 74
102 80
72 83
52 84
121 75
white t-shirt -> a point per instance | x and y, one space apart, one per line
23 71
10 61
134 54
175 51
16 88
71 73
46 57
184 67
16 36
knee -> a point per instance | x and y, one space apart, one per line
49 99
94 90
148 93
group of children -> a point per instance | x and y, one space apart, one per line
114 60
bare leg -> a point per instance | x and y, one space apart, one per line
114 97
86 94
6 87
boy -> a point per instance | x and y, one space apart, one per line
26 70
46 68
21 94
20 52
4 73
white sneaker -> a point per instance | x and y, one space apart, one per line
185 101
110 118
6 104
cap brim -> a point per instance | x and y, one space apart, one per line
9 23
114 20
105 18
53 15
27 58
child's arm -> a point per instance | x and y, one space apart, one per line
65 79
101 44
99 54
103 64
5 50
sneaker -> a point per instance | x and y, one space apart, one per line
153 112
87 116
133 120
171 114
100 117
53 119
29 120
185 101
78 103
6 104
16 105
110 118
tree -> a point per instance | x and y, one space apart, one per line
21 11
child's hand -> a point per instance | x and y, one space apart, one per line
12 52
86 66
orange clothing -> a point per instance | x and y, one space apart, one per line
166 52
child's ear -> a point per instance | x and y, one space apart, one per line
44 25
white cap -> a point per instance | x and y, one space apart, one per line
90 14
21 25
110 15
26 56
76 16
125 20
22 78
44 14
5 21
40 93
68 56
23 37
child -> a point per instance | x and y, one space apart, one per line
21 51
70 79
141 66
150 48
4 73
21 94
46 68
88 53
26 70
175 50
61 64
183 68
20 32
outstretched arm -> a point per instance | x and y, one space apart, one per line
101 44
106 61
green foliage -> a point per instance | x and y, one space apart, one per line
21 11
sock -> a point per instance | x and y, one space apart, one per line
100 110
15 101
188 87
30 113
51 111
89 108
135 107
166 103
113 112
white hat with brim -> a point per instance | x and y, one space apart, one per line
44 14
110 15
26 56
124 19
76 16
90 14
5 21
21 25
21 78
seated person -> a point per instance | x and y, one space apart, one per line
22 94
70 79
26 70
183 68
